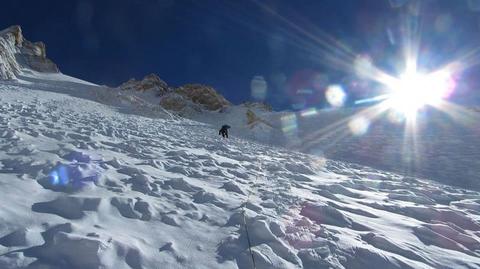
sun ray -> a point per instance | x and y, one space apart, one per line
330 50
410 147
467 117
407 93
340 127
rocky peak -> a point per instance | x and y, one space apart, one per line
203 95
188 97
193 97
16 32
17 53
149 83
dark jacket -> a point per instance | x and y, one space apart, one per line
224 131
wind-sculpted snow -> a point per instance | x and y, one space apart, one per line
442 145
87 183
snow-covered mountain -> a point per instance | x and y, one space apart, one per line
95 177
17 53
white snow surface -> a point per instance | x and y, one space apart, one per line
89 181
442 145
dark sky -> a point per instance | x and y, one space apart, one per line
226 43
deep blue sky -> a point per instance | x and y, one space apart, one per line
225 43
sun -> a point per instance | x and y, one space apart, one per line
412 91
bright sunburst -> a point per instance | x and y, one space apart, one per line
403 94
412 91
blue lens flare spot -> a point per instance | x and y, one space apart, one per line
63 173
59 176
54 178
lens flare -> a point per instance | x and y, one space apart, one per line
395 117
289 123
259 87
59 176
309 112
335 95
63 175
359 125
363 66
54 178
413 90
405 95
304 91
299 105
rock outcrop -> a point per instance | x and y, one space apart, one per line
203 95
10 39
34 56
17 53
149 83
252 118
257 105
173 101
187 98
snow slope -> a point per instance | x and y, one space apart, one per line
441 146
89 181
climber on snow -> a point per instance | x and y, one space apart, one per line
224 131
